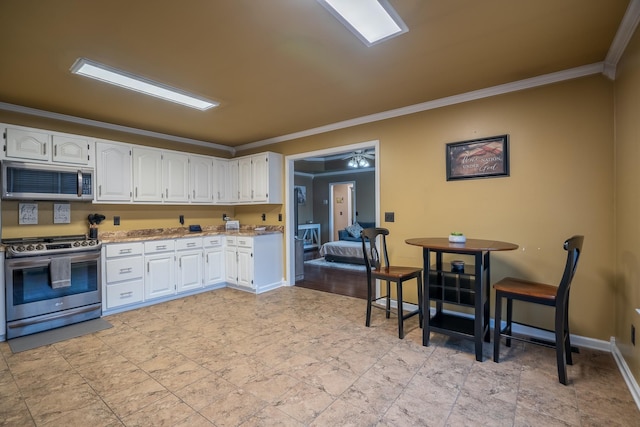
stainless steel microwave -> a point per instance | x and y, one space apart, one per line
33 181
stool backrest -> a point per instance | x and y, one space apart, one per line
573 246
372 258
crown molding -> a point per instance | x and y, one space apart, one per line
543 80
111 126
621 40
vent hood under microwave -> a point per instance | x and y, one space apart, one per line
33 181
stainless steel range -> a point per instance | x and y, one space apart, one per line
51 282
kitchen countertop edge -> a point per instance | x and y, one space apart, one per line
182 232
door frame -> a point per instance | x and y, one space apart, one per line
289 169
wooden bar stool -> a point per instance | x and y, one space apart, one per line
383 271
540 293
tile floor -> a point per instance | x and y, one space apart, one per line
295 357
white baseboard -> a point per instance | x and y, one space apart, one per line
626 372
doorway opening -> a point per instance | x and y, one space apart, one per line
290 219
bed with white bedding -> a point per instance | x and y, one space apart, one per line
343 251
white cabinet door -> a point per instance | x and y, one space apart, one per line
28 144
159 279
245 190
245 267
213 266
175 177
147 175
231 264
201 179
221 182
232 178
260 178
189 270
113 172
68 149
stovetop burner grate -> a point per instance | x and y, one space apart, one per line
30 246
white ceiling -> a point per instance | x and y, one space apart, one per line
283 67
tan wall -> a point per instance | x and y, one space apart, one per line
561 184
627 155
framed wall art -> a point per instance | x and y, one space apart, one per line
478 158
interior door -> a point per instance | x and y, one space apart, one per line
342 202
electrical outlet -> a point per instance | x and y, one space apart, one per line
264 217
116 220
389 217
224 217
633 335
181 219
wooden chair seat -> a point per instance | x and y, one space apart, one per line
523 287
396 273
379 269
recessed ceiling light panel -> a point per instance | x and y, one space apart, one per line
104 73
372 21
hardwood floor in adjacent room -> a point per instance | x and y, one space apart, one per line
335 280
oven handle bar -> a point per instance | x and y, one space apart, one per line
56 315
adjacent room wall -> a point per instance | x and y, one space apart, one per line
626 287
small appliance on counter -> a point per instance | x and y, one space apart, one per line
232 225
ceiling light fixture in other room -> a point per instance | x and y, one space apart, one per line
104 73
359 159
372 21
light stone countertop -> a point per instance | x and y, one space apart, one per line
179 232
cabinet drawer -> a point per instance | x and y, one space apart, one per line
124 249
245 242
124 293
159 246
230 240
213 241
120 269
189 243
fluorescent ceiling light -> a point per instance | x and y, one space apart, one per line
104 73
372 21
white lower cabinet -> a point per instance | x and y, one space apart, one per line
254 263
188 264
136 274
123 273
213 260
160 261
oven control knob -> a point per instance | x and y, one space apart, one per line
92 242
30 247
19 248
39 247
84 243
76 244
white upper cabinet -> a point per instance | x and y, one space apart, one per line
52 147
266 177
113 172
71 149
201 179
245 181
175 177
28 144
147 175
260 178
226 181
